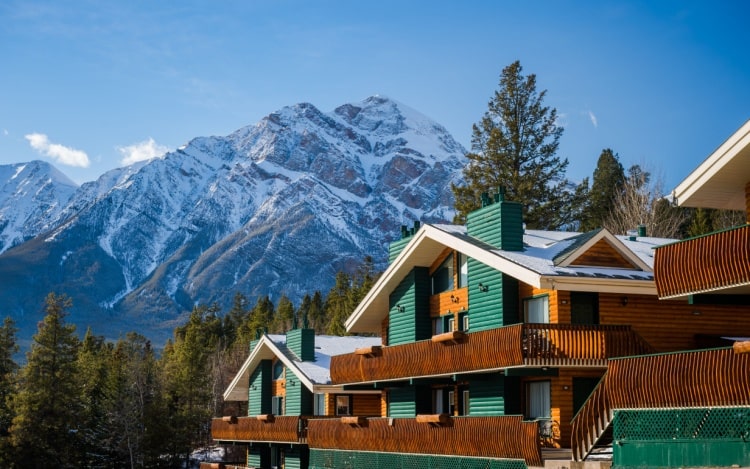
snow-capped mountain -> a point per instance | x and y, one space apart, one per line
276 207
31 195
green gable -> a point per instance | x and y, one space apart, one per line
409 315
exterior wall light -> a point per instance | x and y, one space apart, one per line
483 288
400 308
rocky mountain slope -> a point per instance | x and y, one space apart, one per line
276 207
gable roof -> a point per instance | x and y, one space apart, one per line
579 252
313 374
719 182
535 265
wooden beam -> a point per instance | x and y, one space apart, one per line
741 347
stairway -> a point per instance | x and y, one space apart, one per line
592 430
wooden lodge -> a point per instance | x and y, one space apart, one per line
502 347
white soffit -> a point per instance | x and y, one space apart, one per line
719 182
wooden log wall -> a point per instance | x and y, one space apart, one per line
450 302
672 325
561 399
666 325
602 254
367 405
511 437
557 310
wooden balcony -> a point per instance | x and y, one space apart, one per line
282 428
718 261
492 437
533 345
709 378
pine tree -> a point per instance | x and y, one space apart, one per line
93 369
8 369
284 316
339 304
45 428
608 180
514 146
188 380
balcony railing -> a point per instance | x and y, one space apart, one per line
534 345
282 428
493 437
707 263
709 378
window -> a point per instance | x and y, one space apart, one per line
442 401
437 326
463 270
451 324
343 405
538 400
442 278
536 310
464 321
278 370
451 402
320 404
277 405
465 402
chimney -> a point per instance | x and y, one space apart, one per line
302 343
499 222
395 248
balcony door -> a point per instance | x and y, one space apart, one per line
538 400
584 308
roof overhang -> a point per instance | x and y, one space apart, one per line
421 252
719 182
600 285
265 349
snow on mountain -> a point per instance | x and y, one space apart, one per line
276 207
31 195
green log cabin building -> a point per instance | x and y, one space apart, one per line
507 347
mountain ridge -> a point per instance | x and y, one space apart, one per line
277 207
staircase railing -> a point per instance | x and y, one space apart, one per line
590 422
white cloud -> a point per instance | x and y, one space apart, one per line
61 154
140 151
595 122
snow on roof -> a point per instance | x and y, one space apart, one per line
326 346
541 247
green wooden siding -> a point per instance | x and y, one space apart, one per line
499 224
409 401
299 399
259 394
396 247
402 402
413 295
302 343
487 395
495 304
296 457
259 456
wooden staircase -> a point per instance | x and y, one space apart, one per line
591 435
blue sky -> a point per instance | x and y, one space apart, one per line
91 85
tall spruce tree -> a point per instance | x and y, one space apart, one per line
45 428
515 146
608 180
8 370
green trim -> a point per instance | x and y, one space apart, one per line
703 235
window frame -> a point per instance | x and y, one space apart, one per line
544 399
349 408
527 302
